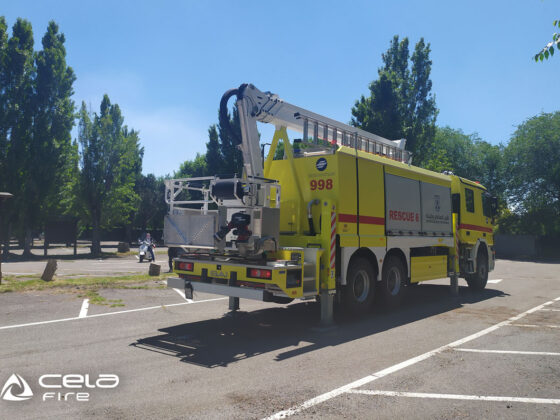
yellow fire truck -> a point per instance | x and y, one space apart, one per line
344 214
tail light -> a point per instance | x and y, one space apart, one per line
184 266
258 273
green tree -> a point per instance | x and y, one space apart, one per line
400 103
35 122
110 159
193 168
232 157
222 156
18 76
467 156
548 50
53 118
533 166
214 158
152 208
3 97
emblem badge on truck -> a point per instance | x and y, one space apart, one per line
321 164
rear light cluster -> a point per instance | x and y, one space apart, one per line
184 266
258 273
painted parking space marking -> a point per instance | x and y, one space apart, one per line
535 326
395 368
550 310
455 396
13 273
495 281
84 309
53 321
182 294
529 353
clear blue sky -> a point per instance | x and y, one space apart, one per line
167 63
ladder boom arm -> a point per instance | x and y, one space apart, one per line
257 106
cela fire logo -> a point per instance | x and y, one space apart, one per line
16 381
321 164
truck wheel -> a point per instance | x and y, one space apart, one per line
478 280
393 281
359 291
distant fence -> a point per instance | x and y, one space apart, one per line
527 246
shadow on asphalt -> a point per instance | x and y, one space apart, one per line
220 342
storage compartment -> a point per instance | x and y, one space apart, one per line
428 268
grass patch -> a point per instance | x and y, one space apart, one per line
96 299
32 283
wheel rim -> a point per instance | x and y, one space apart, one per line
394 281
360 286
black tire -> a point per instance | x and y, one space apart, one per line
478 280
393 281
359 291
141 258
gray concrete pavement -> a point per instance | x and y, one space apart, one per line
112 265
176 359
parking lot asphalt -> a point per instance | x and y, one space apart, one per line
126 265
493 354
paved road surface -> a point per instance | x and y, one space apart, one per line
478 355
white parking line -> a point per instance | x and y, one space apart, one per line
535 326
455 396
535 353
10 273
551 310
382 373
83 311
495 281
182 294
7 327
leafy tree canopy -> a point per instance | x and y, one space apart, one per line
111 160
400 103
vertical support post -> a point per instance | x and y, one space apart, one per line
278 134
454 284
327 302
315 132
454 279
233 301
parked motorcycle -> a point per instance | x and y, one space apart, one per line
144 252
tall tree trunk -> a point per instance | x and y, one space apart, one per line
7 233
95 236
27 243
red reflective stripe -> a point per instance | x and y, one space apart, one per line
368 220
475 227
347 218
